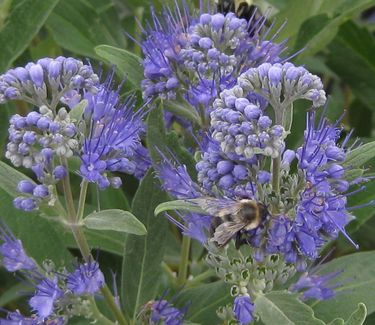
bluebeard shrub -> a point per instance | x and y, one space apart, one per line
241 89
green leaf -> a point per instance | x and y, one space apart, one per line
9 178
4 124
109 241
296 12
315 26
184 205
364 214
321 26
116 220
127 63
352 174
203 301
351 58
357 111
42 239
158 140
288 118
113 198
358 316
284 308
337 321
15 292
141 271
4 11
80 25
184 110
357 285
22 24
359 156
77 111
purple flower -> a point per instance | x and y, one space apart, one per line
170 118
315 286
25 186
59 172
92 167
197 226
36 74
14 257
243 309
176 180
282 84
41 191
112 142
25 204
45 297
183 57
142 161
241 127
230 172
194 225
86 279
322 209
162 311
47 77
15 318
34 140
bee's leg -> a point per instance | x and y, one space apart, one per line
215 222
239 241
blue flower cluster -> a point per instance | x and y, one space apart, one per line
177 182
106 136
54 291
34 141
197 57
243 309
306 208
112 141
240 126
229 172
46 81
321 211
163 312
314 286
14 257
282 84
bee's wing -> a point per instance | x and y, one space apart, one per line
225 232
217 207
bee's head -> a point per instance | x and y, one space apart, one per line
263 210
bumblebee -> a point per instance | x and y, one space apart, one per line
242 8
232 218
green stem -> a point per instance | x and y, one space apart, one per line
82 242
108 297
169 272
98 316
276 163
184 262
111 302
138 32
82 199
68 194
200 278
